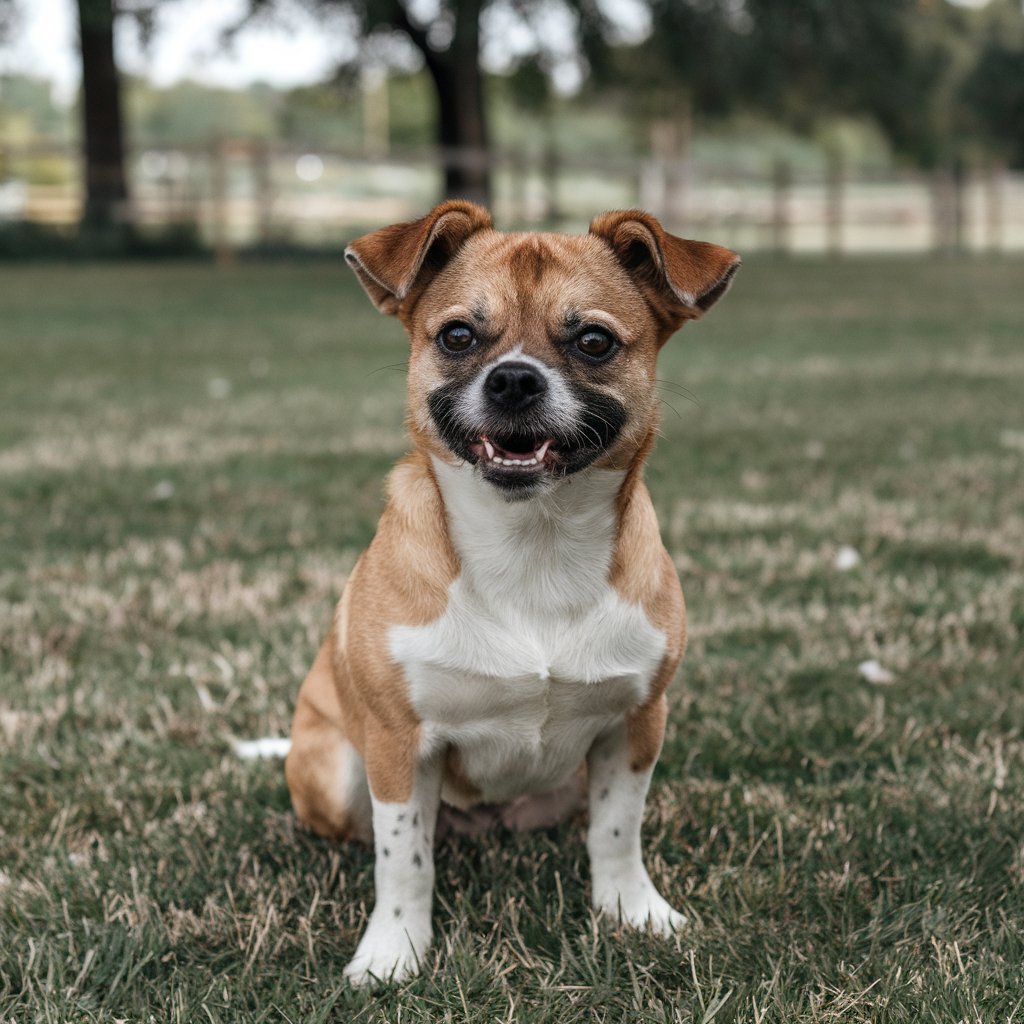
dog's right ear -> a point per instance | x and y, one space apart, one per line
392 262
680 277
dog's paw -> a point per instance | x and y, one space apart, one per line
387 953
640 906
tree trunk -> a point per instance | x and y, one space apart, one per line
462 115
462 133
106 190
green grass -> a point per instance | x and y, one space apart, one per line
169 560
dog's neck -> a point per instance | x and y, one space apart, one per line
551 552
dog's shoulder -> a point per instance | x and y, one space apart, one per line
642 570
404 575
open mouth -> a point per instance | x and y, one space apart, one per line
519 453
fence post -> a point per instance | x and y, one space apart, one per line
994 207
373 82
517 176
782 184
551 170
835 206
943 210
670 146
223 253
261 169
958 205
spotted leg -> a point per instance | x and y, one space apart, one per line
622 888
398 933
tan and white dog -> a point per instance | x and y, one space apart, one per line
516 615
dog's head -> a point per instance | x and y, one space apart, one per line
533 355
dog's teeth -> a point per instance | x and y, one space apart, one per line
542 451
488 447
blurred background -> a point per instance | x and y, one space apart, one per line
790 125
199 406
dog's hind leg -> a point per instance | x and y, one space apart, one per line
324 770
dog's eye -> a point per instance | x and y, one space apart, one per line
595 344
456 338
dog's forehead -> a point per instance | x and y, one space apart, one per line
547 273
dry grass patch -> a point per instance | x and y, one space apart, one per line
191 463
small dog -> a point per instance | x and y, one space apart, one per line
516 620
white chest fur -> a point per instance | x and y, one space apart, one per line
535 654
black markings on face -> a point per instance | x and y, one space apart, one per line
417 860
615 832
415 819
386 852
395 831
599 426
401 817
573 321
398 911
603 420
604 794
443 405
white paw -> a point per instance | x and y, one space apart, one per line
640 906
388 953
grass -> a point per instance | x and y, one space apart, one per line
190 463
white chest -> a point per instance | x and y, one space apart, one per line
535 654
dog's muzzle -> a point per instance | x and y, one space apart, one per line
522 423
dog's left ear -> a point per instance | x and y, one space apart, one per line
392 261
681 278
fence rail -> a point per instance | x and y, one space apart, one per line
243 194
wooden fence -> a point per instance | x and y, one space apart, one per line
241 194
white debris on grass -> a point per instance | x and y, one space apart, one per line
1012 439
218 387
163 490
874 672
847 558
265 746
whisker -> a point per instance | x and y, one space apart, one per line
390 366
676 388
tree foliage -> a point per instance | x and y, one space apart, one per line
797 61
993 91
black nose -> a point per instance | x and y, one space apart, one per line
514 385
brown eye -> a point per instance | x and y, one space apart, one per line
456 338
595 344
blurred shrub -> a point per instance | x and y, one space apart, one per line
26 240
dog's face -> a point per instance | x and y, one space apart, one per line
533 355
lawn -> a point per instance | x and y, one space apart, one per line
190 462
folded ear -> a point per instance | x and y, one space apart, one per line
392 261
681 279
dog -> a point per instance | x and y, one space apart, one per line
516 620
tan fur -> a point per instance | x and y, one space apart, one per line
446 266
313 766
403 577
643 573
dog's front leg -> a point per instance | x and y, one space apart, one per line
617 791
398 933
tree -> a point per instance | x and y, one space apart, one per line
449 44
106 186
462 129
799 60
993 92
